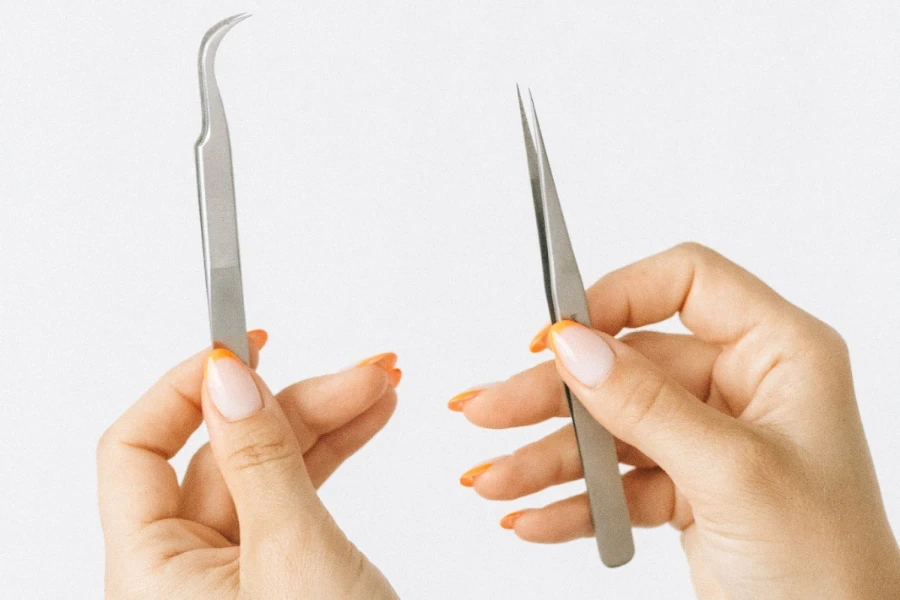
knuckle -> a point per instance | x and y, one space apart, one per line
696 251
106 443
261 449
833 339
819 341
640 399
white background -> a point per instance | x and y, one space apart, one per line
384 205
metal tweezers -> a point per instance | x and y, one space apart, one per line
218 216
566 300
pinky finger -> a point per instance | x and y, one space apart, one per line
555 523
651 498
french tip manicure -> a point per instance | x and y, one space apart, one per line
385 360
539 342
220 353
259 337
458 402
555 329
468 478
582 351
230 386
509 521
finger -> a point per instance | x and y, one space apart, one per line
536 394
324 404
641 405
529 397
257 339
688 360
685 358
649 493
137 485
329 403
715 298
258 455
549 461
333 448
205 496
719 302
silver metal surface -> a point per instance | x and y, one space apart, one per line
218 216
566 300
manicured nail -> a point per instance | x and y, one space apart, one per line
468 478
509 521
230 386
459 401
582 352
539 342
385 360
396 375
259 337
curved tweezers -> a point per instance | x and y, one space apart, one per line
218 216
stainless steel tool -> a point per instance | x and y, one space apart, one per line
218 217
566 299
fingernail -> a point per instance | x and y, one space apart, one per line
582 352
539 342
509 521
459 401
259 337
468 478
230 386
396 375
385 360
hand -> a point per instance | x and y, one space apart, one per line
745 435
247 521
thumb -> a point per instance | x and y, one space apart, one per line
641 405
257 452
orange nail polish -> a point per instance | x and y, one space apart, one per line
259 337
539 342
556 328
385 360
396 375
458 402
218 354
468 478
509 521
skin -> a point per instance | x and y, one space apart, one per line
246 521
745 436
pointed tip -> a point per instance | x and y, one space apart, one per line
221 28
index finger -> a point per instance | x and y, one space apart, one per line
715 298
136 484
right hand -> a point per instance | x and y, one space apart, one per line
746 435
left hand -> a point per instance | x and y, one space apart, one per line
166 540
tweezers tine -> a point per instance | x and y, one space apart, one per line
566 300
218 216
